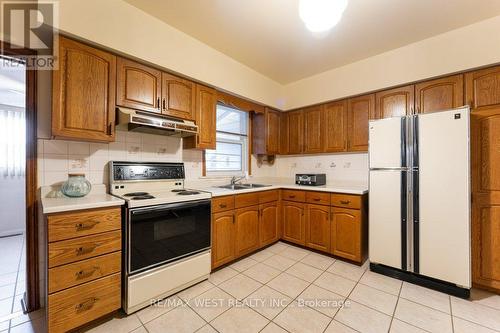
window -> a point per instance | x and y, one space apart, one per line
231 155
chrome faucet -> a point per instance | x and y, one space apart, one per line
235 179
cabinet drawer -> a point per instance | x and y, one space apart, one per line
76 306
247 199
65 252
319 198
293 195
268 196
220 204
89 222
347 201
71 275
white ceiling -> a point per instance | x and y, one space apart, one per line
268 35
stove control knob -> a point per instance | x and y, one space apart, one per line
119 173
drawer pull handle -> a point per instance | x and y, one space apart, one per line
316 199
86 305
86 226
291 196
85 249
222 205
345 202
86 273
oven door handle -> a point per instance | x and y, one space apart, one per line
147 210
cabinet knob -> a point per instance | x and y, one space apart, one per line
291 196
345 202
316 199
84 273
86 225
86 305
85 249
222 205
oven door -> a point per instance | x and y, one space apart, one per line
161 234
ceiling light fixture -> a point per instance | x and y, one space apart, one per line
321 15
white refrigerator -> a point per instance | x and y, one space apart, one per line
419 199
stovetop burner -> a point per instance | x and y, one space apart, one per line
186 192
143 197
136 194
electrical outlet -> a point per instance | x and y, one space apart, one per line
347 165
333 165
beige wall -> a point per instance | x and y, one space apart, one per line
468 47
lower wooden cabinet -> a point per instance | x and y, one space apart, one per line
247 230
269 223
346 233
294 222
318 227
223 238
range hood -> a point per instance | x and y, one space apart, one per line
146 122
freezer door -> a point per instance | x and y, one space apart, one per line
386 145
387 214
444 196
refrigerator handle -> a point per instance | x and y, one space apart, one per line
404 216
416 202
404 143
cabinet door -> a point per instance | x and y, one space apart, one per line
483 88
361 110
223 238
318 227
138 86
346 233
440 94
396 102
335 126
178 97
272 132
83 95
313 129
293 222
284 133
247 230
206 110
295 132
269 217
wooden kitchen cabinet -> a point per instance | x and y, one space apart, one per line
247 230
178 97
83 93
483 94
360 111
205 118
347 233
313 129
334 134
269 223
284 133
223 238
395 102
440 94
294 222
138 86
266 132
318 227
295 132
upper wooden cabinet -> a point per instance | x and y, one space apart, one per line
178 96
239 103
266 132
335 126
483 88
83 93
205 118
138 86
284 133
395 102
313 129
440 94
361 109
295 132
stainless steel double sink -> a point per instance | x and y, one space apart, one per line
242 186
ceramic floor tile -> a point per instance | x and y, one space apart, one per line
182 319
304 272
278 247
243 264
222 275
302 319
273 328
397 326
335 283
241 320
363 319
485 298
381 282
240 286
321 300
36 326
279 262
195 290
349 271
476 313
262 273
9 278
141 329
7 291
318 261
268 302
464 326
119 323
294 253
375 299
336 327
423 317
6 306
262 255
425 296
153 311
28 317
206 329
212 303
288 285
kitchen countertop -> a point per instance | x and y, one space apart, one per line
54 202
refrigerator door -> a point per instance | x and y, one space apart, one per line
387 216
386 143
444 196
